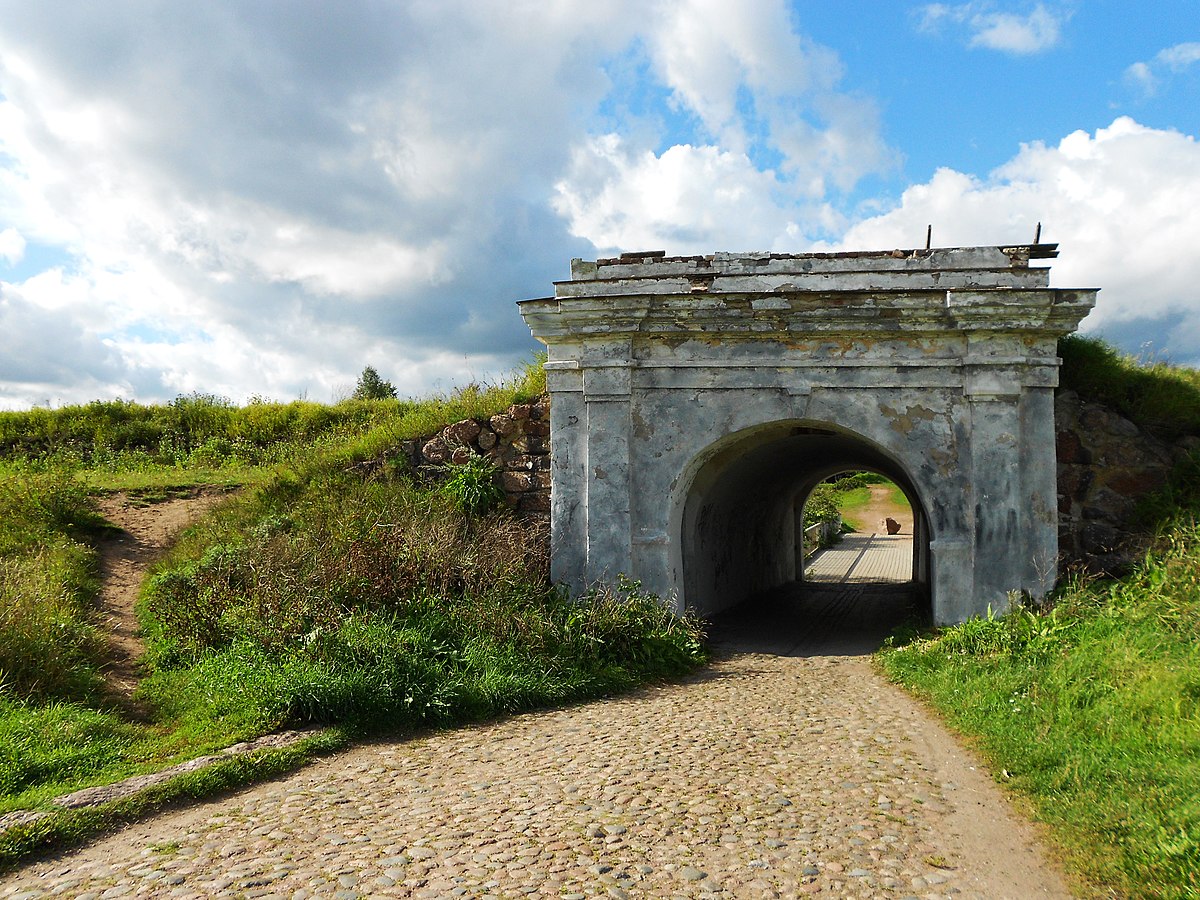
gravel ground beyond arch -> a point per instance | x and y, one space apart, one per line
787 768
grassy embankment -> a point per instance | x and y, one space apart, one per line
1090 709
317 596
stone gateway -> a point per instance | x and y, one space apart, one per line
696 401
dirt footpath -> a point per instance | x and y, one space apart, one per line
780 771
870 518
147 531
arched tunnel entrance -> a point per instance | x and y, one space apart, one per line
742 548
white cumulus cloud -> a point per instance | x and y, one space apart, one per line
687 199
756 82
12 246
1123 202
776 139
1037 30
1148 75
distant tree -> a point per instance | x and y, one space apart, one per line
371 387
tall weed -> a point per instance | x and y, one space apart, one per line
380 604
473 486
48 645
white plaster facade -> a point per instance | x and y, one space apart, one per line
696 400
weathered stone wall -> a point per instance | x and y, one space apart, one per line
1106 464
517 441
695 398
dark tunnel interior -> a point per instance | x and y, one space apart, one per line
743 517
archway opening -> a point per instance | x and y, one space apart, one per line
742 532
857 529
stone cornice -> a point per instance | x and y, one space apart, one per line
972 289
1046 310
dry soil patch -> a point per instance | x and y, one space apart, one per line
147 531
870 517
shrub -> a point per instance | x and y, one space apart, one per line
821 505
473 486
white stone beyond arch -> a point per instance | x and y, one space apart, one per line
696 400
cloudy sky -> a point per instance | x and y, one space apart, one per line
259 198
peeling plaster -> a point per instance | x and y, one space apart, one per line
905 422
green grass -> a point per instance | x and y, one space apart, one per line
57 743
1092 710
171 481
57 730
49 647
316 595
1163 399
853 498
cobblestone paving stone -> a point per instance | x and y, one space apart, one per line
765 775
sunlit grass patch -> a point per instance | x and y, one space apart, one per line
46 747
49 647
315 594
1093 710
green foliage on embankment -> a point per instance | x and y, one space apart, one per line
1162 398
1092 710
1090 707
48 642
327 593
326 598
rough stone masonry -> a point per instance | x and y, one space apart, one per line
696 400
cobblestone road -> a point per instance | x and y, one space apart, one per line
787 768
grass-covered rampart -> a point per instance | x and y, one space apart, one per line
201 433
1090 707
325 592
1162 398
378 603
192 430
